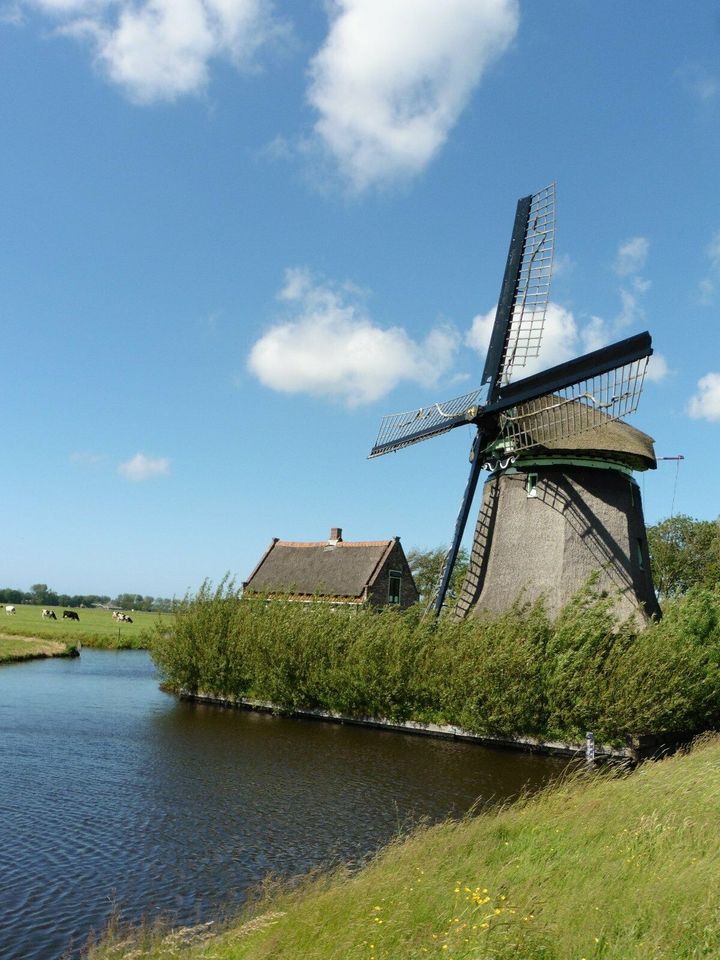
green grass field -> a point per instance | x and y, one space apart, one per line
599 867
96 628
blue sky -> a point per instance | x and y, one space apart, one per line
234 234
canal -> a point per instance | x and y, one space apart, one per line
114 797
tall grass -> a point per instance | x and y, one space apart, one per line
594 868
513 674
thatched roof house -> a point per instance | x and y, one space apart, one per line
335 571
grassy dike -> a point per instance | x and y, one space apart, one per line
14 649
600 866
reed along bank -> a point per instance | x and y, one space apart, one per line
514 675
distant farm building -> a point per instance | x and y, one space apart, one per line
335 571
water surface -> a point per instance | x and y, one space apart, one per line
113 795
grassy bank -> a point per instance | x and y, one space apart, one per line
517 674
15 648
96 628
620 868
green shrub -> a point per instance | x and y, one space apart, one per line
514 674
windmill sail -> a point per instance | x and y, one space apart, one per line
575 409
575 396
520 317
398 430
527 320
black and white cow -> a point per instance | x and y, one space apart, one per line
10 610
49 615
70 615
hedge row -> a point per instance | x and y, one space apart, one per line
517 674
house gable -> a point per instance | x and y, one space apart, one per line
334 570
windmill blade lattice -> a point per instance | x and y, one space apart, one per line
582 406
398 430
527 320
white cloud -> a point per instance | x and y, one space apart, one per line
631 256
706 291
141 467
657 368
86 458
707 88
391 79
594 334
632 311
331 347
162 49
560 340
478 336
708 284
11 14
705 403
699 82
563 265
563 339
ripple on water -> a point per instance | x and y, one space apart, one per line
115 796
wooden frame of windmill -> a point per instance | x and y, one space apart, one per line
560 502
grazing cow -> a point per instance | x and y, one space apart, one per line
10 611
70 615
49 615
121 617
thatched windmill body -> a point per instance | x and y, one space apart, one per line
560 501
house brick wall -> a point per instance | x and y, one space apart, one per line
378 593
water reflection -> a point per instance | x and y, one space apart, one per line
112 791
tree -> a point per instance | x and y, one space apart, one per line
39 593
684 552
427 567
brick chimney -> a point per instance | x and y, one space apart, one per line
335 535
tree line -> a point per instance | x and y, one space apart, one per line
42 595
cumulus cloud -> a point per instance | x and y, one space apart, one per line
699 82
391 79
330 347
708 284
141 467
86 458
705 402
563 339
657 368
631 256
162 49
560 341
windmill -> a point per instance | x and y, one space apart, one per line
560 499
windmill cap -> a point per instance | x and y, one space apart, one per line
613 440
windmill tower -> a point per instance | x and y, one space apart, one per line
560 501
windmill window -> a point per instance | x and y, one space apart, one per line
394 582
640 554
531 484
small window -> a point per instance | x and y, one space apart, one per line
394 581
640 554
531 484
